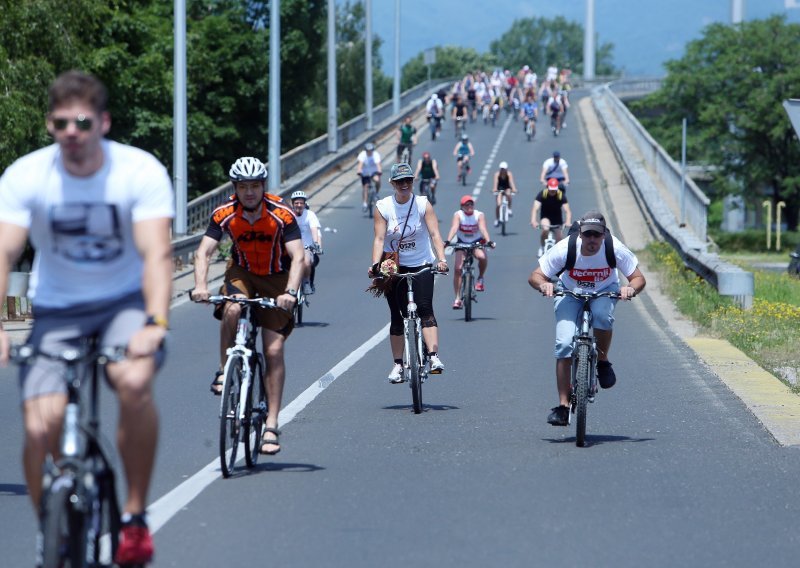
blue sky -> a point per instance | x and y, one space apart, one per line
645 33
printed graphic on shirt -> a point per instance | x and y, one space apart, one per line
86 232
589 277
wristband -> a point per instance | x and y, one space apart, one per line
160 321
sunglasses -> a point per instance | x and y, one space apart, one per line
82 123
592 234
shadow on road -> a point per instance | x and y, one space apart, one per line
263 467
8 489
425 407
597 440
313 324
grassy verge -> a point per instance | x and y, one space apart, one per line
769 333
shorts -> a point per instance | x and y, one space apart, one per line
113 322
240 281
568 310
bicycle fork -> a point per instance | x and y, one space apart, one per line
239 348
422 359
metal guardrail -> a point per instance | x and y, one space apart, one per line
630 140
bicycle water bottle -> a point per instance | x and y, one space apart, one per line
70 443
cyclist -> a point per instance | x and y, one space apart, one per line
406 138
469 226
99 215
407 225
435 110
551 201
459 113
555 108
463 151
503 185
591 271
266 261
556 168
311 236
530 113
428 170
369 167
563 97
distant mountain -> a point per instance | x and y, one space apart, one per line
645 33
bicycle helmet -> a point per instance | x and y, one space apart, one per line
248 169
299 194
464 137
369 146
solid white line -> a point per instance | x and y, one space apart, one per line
166 507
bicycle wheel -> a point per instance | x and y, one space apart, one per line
298 311
256 413
582 367
372 198
503 218
109 521
229 427
62 528
466 287
415 377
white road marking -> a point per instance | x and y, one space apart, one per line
166 507
490 160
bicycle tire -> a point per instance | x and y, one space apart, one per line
503 218
298 312
229 427
254 420
582 370
110 520
466 285
62 528
415 377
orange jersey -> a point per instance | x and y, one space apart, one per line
257 247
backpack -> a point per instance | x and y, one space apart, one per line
572 253
554 105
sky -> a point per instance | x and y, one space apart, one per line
645 33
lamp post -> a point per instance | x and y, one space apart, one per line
368 63
179 157
396 86
333 143
588 43
274 95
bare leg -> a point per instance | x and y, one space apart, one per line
431 337
563 370
275 377
603 338
43 417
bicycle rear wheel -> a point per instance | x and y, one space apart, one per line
415 377
255 413
63 529
229 428
466 291
582 368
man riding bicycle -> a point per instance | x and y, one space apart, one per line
503 185
369 167
591 271
435 110
312 238
469 226
428 172
463 151
266 261
530 113
99 215
406 138
557 168
551 201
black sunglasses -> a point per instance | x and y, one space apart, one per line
82 123
592 234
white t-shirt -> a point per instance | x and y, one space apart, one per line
371 164
82 227
307 221
553 171
415 249
434 107
590 273
468 229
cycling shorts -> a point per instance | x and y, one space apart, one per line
240 281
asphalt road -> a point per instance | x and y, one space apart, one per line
677 472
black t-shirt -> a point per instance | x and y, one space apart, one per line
551 206
461 109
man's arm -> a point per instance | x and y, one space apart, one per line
535 214
567 215
12 243
541 177
636 284
566 174
294 249
435 170
202 259
539 281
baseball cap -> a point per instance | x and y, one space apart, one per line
556 154
593 221
503 165
552 183
400 171
467 199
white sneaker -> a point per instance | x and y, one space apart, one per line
436 365
364 207
540 253
307 288
510 212
396 374
496 222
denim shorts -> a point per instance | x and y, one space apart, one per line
568 312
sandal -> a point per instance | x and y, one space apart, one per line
217 384
265 442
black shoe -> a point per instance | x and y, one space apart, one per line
559 416
605 374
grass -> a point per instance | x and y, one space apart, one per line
769 333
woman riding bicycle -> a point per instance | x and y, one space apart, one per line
463 151
407 225
503 185
428 173
469 226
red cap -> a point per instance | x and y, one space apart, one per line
552 183
467 199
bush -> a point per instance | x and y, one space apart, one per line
752 240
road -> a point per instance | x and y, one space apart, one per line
677 471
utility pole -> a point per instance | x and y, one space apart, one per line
396 89
737 11
274 95
368 64
333 142
589 43
179 157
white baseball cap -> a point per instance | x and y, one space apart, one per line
503 165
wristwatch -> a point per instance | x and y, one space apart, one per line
160 321
291 292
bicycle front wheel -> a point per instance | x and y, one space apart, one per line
63 529
255 413
229 426
467 284
415 377
582 369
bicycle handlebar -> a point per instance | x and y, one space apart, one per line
263 302
587 295
410 275
471 246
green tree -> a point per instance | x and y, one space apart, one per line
451 61
541 42
730 85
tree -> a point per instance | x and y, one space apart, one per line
730 85
541 42
451 61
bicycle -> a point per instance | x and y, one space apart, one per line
372 195
549 241
435 122
415 353
427 187
79 499
463 169
530 128
405 155
243 408
467 291
503 215
302 298
583 379
460 126
554 125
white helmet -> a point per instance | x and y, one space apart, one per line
248 169
503 165
299 194
434 96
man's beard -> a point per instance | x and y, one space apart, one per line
251 209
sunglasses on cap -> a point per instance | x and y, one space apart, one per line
82 123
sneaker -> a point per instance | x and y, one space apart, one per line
307 288
364 207
396 374
457 305
510 212
479 286
135 542
605 374
436 365
540 252
559 416
496 222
